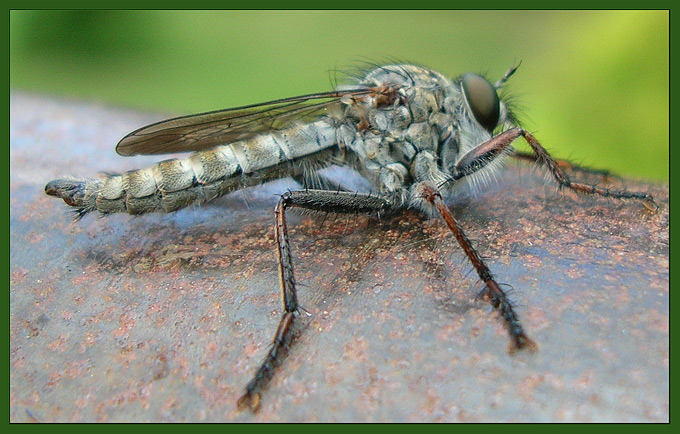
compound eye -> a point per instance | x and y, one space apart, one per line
482 99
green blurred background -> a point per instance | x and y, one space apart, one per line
593 86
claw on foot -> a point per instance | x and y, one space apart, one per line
249 400
522 343
650 204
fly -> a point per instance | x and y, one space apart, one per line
413 133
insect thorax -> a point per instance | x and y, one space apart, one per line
418 136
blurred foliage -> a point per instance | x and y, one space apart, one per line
593 85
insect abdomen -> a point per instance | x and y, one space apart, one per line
164 187
203 176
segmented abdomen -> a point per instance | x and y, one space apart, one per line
200 178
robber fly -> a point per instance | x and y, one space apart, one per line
413 133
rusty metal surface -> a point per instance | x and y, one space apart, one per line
165 317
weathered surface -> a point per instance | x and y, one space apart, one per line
165 317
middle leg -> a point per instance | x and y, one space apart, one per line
498 298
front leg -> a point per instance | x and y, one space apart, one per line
315 200
565 165
482 155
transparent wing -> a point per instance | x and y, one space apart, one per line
206 130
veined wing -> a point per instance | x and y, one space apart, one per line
206 130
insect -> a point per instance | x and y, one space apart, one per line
413 133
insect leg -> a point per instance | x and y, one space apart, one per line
318 181
564 164
563 180
315 200
499 299
487 151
